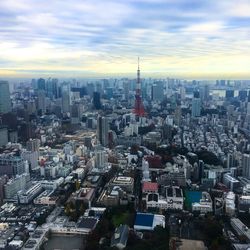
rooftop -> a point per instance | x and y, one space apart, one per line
144 219
150 186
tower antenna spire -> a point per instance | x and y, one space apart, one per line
139 109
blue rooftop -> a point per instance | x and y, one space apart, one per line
145 220
192 197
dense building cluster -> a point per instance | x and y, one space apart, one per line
71 151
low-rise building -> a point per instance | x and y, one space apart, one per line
113 196
240 228
46 198
174 197
205 205
26 197
148 221
244 203
86 195
150 187
52 184
126 183
120 237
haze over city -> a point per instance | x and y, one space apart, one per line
187 39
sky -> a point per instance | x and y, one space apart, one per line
103 38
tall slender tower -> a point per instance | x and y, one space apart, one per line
139 109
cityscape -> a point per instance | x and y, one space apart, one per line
124 125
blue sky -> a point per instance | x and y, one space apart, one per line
176 38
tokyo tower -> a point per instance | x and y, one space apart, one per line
139 109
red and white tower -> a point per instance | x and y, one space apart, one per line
139 109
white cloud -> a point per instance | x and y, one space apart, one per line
107 36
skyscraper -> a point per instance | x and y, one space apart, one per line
204 92
41 102
66 98
33 145
41 84
100 158
3 136
102 130
157 92
229 94
246 165
230 160
196 105
242 95
5 103
97 100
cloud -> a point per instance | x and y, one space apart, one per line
104 37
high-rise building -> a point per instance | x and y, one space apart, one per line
41 84
11 165
90 89
100 158
157 93
5 102
33 145
204 92
229 94
103 130
177 115
230 160
196 105
41 102
3 136
52 88
246 165
97 100
3 180
126 88
66 98
242 95
14 185
248 108
183 93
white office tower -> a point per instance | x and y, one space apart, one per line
230 204
103 130
26 167
246 165
100 159
131 129
33 145
145 171
66 98
42 171
5 102
196 105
